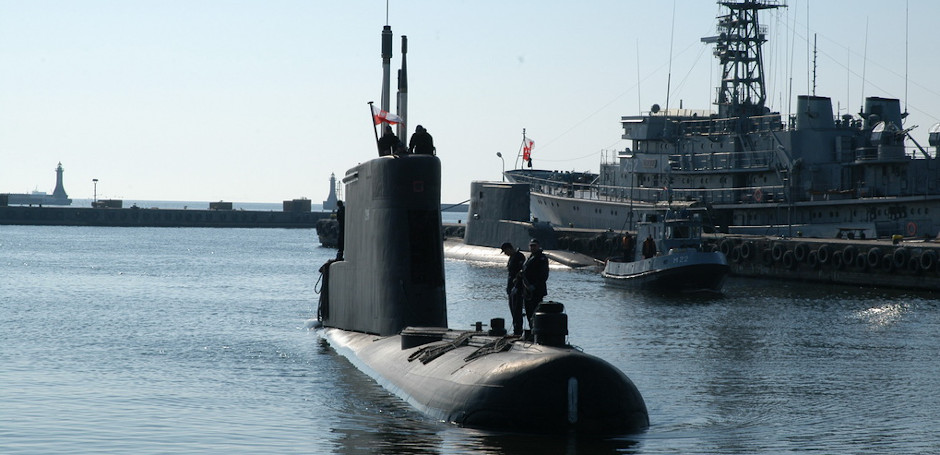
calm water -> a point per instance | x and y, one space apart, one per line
139 340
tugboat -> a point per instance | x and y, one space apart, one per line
672 257
383 306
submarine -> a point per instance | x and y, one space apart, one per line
383 306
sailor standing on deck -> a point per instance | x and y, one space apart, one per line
649 247
421 142
514 287
341 229
535 274
389 142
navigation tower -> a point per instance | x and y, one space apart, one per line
738 48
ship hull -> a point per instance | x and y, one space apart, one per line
908 216
678 272
528 388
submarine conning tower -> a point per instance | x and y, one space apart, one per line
499 212
392 275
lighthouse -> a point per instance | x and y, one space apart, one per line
59 193
330 203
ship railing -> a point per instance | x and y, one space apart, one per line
729 125
647 194
559 187
736 195
708 161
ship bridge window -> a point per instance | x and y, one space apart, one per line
678 232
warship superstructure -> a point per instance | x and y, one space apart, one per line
755 170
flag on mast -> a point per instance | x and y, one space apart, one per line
381 116
527 146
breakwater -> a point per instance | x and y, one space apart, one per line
152 217
908 264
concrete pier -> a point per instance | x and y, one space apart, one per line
140 217
908 264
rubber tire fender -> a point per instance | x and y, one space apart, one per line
900 257
747 250
800 252
824 253
778 251
788 260
913 265
812 260
887 263
849 254
874 257
836 260
928 260
861 261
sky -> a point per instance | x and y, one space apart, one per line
261 101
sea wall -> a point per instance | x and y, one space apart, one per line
140 217
911 264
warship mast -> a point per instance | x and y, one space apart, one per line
738 48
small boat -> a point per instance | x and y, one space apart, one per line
670 256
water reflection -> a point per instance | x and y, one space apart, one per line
883 315
766 366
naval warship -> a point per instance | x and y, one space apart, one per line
756 171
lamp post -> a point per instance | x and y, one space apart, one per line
95 181
500 155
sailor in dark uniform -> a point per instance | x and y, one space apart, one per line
649 248
389 142
421 142
341 228
535 273
514 287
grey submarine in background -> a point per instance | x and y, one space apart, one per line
384 308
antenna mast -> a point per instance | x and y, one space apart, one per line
907 19
814 64
738 48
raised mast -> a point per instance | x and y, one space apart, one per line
386 67
738 48
403 91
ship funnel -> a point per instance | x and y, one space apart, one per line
813 112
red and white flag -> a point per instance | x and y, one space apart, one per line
380 116
527 147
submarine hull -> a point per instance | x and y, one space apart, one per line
526 387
